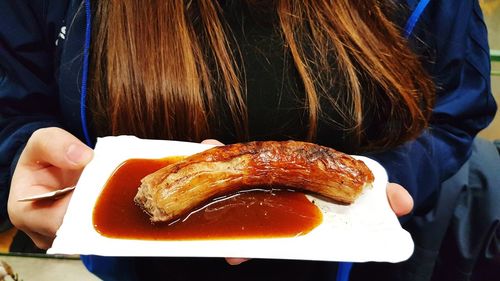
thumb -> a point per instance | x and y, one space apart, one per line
212 141
400 200
56 147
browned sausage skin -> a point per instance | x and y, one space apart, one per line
179 188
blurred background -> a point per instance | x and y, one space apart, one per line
491 10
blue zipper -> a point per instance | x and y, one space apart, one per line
85 70
415 16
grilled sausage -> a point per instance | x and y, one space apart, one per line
179 188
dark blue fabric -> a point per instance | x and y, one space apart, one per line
455 37
187 269
28 89
344 271
111 269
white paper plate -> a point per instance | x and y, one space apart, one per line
366 230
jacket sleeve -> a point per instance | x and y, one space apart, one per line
456 34
28 90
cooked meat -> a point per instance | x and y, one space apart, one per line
179 188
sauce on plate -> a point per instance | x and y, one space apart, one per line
254 213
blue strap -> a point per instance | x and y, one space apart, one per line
415 16
343 271
85 70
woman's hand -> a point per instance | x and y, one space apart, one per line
399 199
52 159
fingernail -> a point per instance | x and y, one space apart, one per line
78 154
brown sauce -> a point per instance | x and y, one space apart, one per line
249 214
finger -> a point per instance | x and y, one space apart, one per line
28 182
46 216
236 261
41 241
212 141
400 200
55 147
33 179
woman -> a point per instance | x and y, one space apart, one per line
337 73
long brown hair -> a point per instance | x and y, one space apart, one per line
163 62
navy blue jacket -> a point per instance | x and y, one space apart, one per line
42 47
